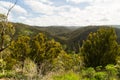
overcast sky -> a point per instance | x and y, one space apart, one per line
63 12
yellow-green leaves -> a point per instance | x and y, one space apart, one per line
20 48
44 49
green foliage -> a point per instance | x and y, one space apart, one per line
2 65
11 62
101 76
67 76
100 48
44 49
30 68
6 32
118 66
20 48
111 71
38 47
7 74
68 62
88 73
31 57
70 36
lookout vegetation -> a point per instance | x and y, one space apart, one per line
39 57
42 58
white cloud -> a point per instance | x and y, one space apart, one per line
19 10
78 1
45 1
39 7
98 12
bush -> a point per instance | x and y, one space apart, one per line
7 74
111 71
100 48
68 62
100 76
30 68
67 76
88 73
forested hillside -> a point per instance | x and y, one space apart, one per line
70 36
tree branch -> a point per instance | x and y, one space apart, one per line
11 8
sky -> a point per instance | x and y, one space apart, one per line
63 12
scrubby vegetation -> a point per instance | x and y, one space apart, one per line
37 57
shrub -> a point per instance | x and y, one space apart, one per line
88 73
100 76
68 62
67 76
111 71
30 68
100 48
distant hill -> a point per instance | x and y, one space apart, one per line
27 30
55 30
70 36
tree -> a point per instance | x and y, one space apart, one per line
100 48
44 49
38 46
6 30
20 49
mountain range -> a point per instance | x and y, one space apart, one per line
72 36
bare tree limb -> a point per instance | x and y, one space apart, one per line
11 8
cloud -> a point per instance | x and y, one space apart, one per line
38 6
45 13
45 1
69 15
95 14
78 1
